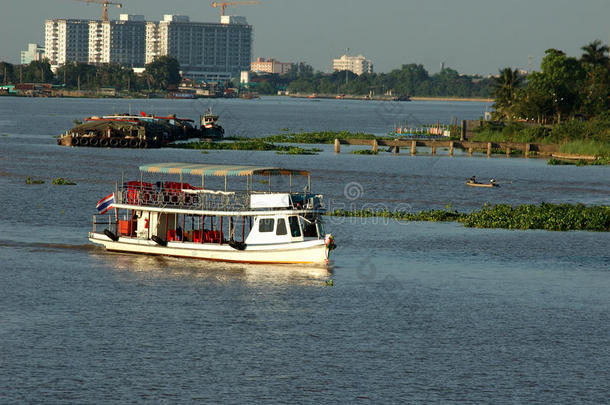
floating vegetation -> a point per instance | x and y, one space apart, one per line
6 135
578 162
364 152
250 144
546 216
30 180
317 137
60 181
295 150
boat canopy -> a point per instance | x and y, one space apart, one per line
199 169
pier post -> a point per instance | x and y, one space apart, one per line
463 134
413 148
375 146
470 151
508 151
450 148
396 147
526 152
488 149
337 146
433 150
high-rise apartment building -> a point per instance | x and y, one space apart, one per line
120 41
211 51
357 64
66 40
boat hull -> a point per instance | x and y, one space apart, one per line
488 185
306 252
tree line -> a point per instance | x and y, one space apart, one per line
565 87
158 75
411 79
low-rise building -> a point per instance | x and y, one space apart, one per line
262 65
34 52
357 64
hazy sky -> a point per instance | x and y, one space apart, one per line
471 36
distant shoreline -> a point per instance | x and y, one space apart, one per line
484 100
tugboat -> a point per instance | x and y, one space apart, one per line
175 218
210 127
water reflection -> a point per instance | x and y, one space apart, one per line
171 267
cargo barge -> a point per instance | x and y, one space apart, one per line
140 131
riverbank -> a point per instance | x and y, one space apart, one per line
549 217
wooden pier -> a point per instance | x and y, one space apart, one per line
486 147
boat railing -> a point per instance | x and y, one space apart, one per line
104 222
181 195
185 196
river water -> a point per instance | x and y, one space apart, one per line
419 312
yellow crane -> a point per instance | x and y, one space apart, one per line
105 4
224 4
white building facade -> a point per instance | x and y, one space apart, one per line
120 41
34 53
210 51
357 64
66 40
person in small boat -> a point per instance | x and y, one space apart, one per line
473 179
492 181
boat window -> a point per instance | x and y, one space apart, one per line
295 228
281 227
266 225
310 229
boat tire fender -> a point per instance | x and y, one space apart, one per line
84 142
75 141
114 142
133 143
124 142
158 240
94 142
237 245
103 142
111 235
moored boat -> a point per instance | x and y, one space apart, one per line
182 220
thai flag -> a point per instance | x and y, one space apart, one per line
105 204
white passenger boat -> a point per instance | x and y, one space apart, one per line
175 218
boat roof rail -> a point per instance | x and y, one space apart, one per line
201 169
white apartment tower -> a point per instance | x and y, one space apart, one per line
120 41
212 51
357 64
66 41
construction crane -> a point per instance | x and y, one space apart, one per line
224 4
105 4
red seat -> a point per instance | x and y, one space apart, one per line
171 235
197 236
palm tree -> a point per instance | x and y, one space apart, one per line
505 87
595 53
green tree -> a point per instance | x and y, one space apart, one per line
163 72
594 53
37 72
6 73
505 88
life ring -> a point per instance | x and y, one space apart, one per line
114 142
104 142
75 141
124 142
84 142
94 142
